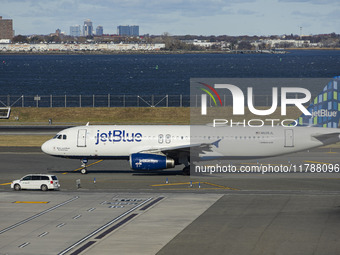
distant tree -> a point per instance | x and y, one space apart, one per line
262 46
36 39
233 43
244 45
53 38
20 39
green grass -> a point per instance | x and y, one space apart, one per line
23 140
142 115
133 115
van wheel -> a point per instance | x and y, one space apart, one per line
17 187
44 187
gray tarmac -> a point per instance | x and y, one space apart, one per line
234 213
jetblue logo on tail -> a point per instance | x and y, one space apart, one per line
324 113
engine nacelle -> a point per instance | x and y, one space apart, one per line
145 161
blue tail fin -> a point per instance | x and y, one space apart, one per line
325 108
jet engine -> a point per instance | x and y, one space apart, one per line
146 161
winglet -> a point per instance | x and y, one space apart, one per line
216 143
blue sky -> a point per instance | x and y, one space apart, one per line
177 17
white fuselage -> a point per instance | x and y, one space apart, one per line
120 141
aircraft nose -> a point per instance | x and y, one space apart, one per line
46 147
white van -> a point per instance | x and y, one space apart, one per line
36 181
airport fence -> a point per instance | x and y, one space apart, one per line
120 100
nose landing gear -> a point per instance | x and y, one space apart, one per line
84 167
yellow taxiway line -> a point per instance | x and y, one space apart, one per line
30 202
3 184
78 169
316 162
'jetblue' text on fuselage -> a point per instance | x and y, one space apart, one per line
117 136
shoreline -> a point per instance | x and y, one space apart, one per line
159 52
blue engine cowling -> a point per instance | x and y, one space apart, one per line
144 161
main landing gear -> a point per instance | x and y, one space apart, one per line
83 170
186 170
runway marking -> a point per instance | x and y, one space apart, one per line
193 189
114 227
60 225
170 184
23 245
38 215
43 234
80 168
188 183
316 162
84 247
3 184
104 226
30 202
220 186
330 151
152 203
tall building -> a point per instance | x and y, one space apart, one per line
6 29
128 30
134 30
99 30
75 30
87 28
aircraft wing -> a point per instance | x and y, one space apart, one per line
195 149
328 138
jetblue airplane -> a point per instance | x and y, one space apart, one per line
156 147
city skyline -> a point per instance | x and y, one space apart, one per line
230 17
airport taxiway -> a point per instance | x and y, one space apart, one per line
223 214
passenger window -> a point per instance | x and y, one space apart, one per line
45 178
64 137
160 138
27 178
59 137
35 178
168 138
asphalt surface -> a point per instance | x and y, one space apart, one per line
31 130
239 213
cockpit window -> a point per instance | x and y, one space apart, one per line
59 136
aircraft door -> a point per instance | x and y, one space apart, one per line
81 141
289 138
